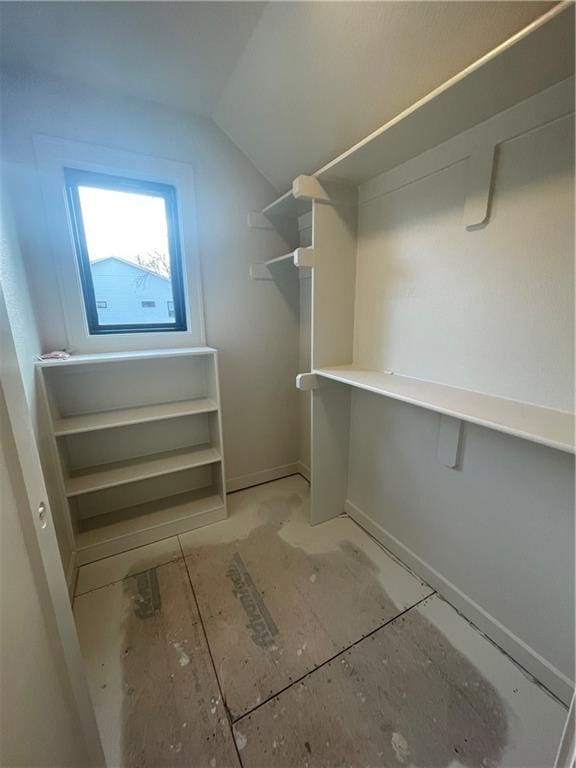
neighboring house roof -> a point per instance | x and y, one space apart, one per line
132 264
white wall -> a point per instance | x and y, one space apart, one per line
21 312
255 326
500 529
490 310
38 723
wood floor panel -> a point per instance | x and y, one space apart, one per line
155 693
117 567
426 690
278 598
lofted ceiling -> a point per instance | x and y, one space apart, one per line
293 84
180 54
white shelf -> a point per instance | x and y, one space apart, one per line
134 526
110 357
287 258
537 57
546 426
287 207
540 55
132 470
91 422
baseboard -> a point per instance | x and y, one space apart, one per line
304 470
71 573
520 652
264 476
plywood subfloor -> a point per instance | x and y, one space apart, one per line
278 597
322 651
156 696
425 690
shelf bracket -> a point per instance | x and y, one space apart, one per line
304 257
480 173
309 188
449 447
260 271
307 381
257 220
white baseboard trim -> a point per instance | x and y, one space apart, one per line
523 654
264 476
304 470
71 573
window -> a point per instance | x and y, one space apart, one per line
127 244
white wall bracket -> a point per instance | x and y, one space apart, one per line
449 441
307 381
304 257
260 271
257 220
480 173
309 188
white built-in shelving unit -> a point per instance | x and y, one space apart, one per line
536 58
137 441
370 308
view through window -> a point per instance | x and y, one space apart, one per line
126 237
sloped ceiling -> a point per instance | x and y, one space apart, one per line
293 84
317 77
180 54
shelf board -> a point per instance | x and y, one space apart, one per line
537 57
546 426
287 207
287 258
91 422
131 527
109 357
132 470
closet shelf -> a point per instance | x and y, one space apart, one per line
110 357
123 529
287 207
287 258
132 470
546 426
535 58
91 422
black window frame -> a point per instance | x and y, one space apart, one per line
75 178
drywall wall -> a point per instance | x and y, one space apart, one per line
500 528
254 325
38 722
489 310
20 309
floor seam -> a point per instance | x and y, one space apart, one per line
220 689
129 575
332 658
267 482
